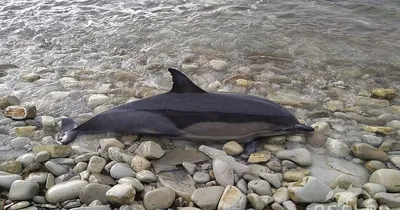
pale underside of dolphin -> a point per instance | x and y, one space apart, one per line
189 112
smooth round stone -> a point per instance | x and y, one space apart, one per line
97 99
289 205
94 191
337 148
55 168
232 148
120 170
101 178
85 157
242 185
395 124
201 177
207 198
110 142
79 167
373 188
395 160
133 181
50 181
281 195
296 139
39 199
293 175
12 167
65 191
370 203
277 206
232 198
7 179
374 165
392 200
259 186
367 152
300 156
218 65
274 165
140 163
255 201
146 176
150 150
223 172
273 179
160 198
38 177
42 156
108 166
372 140
322 127
267 199
20 205
26 159
121 194
189 167
23 190
390 178
20 142
96 164
310 190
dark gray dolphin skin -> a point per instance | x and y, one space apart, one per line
189 112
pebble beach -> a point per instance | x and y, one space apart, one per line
348 92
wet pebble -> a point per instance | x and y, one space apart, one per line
42 156
207 198
189 167
232 198
65 191
390 178
23 190
55 168
281 195
255 201
223 172
140 163
92 192
300 156
26 159
309 190
20 142
372 140
150 150
201 177
232 148
337 148
259 186
120 170
146 176
121 194
367 152
132 181
110 142
160 198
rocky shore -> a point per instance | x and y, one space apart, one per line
352 160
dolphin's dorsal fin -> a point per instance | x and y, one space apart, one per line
182 84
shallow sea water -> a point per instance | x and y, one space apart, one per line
306 45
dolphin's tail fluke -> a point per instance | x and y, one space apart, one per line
67 131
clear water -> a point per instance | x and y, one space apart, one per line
312 43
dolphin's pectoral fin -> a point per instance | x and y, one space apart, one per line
250 147
182 84
297 128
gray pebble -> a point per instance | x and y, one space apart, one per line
38 177
20 142
201 177
39 199
42 156
108 166
120 170
81 166
26 159
85 157
133 181
372 140
55 168
23 190
146 176
190 167
92 192
96 164
242 186
261 187
20 205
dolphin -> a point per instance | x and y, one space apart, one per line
189 112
